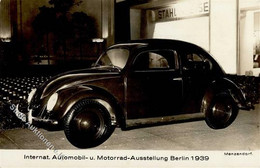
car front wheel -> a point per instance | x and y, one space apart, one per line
221 111
88 124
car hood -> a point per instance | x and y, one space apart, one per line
73 78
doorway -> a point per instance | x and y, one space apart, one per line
249 41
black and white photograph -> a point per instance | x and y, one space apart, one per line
130 83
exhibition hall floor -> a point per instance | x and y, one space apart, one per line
243 134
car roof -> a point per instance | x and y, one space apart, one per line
155 43
164 43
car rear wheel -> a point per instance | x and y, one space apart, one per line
221 111
88 124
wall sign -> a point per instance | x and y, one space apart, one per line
182 10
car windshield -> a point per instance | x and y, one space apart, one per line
116 57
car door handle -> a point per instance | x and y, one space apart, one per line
177 79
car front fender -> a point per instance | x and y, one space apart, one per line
69 96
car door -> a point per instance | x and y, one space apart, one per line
196 70
154 85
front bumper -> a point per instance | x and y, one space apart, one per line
47 124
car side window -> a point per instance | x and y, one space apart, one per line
194 57
194 62
156 60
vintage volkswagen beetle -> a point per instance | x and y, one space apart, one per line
137 83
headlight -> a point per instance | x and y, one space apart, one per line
52 102
30 96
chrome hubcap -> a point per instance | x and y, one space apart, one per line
89 123
222 111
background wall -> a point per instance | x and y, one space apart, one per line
195 30
5 24
246 42
135 23
223 33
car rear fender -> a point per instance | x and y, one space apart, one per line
229 86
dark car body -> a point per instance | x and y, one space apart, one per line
146 82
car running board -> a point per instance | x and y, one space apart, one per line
146 122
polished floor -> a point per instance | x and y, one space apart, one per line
243 134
